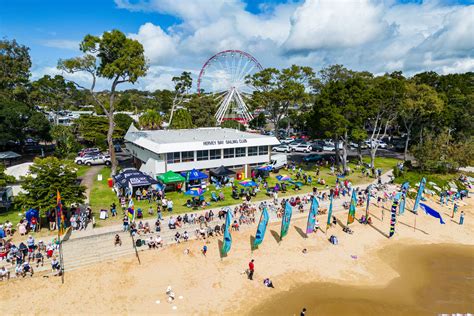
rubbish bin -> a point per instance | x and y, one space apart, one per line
239 176
110 182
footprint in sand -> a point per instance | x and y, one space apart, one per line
217 285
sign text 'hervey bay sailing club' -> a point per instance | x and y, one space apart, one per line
222 142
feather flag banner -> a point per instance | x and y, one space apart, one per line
313 211
227 236
419 195
352 208
429 211
59 214
405 187
393 219
285 222
262 227
329 212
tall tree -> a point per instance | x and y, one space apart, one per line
182 85
4 178
420 101
15 64
150 120
112 56
123 122
93 130
46 177
386 96
277 90
202 108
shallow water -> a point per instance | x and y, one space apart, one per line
434 279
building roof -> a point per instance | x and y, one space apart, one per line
164 141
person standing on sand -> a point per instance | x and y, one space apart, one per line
251 269
303 312
461 218
204 250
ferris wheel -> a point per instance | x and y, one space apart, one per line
224 75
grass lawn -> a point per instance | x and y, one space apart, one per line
441 180
102 196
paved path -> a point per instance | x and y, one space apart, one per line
88 180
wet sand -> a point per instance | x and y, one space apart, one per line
433 279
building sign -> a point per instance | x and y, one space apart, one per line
224 142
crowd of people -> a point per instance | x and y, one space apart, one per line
26 256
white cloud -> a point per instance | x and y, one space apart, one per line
61 43
326 24
159 46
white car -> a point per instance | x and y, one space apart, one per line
295 144
98 160
282 148
381 144
304 148
80 160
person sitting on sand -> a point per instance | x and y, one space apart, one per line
151 243
4 274
185 236
55 266
158 241
304 251
27 269
268 283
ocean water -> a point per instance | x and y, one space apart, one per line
434 279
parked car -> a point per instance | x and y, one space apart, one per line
98 160
317 145
88 151
305 148
295 144
312 158
80 160
282 148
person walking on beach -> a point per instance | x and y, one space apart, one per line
251 269
461 218
303 312
204 250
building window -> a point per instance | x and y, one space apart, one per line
202 155
173 158
262 150
253 151
215 154
187 156
240 152
229 152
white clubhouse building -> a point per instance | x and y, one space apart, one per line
158 151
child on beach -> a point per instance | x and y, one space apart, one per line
204 250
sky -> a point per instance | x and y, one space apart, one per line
180 35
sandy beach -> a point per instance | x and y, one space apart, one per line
214 285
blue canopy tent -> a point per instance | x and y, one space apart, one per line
194 175
32 213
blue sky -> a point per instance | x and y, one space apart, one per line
379 35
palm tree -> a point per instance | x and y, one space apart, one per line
151 119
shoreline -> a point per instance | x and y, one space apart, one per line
126 287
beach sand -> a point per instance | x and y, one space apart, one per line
363 270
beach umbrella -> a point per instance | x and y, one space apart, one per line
283 178
248 183
265 167
195 192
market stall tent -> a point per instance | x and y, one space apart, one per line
171 177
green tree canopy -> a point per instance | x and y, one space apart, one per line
123 122
258 122
47 176
4 178
15 67
93 130
150 120
66 142
233 124
181 120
